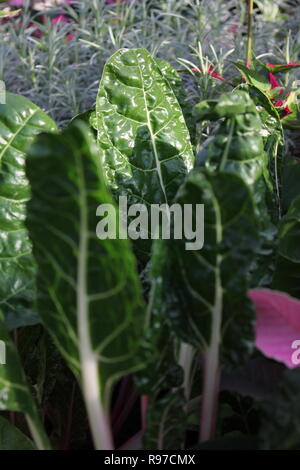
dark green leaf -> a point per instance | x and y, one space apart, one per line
237 146
231 442
166 422
280 427
11 438
14 391
290 183
287 274
20 122
210 284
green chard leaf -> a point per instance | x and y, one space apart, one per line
176 83
237 146
211 284
212 311
273 138
14 392
89 293
143 139
290 182
20 122
287 273
162 378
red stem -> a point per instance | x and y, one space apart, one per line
144 409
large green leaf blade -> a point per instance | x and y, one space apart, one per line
212 311
213 281
20 122
89 293
142 135
237 146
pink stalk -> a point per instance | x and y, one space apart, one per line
144 409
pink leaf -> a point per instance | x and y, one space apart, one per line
273 81
277 325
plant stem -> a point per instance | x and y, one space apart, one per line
97 411
144 408
249 33
211 380
37 432
210 394
186 357
67 435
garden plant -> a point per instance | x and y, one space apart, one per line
118 342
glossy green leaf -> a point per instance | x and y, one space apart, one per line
273 138
11 438
20 122
14 391
237 146
143 139
177 86
89 293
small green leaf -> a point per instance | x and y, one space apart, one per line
14 391
11 438
258 77
166 422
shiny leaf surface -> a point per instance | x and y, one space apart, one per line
142 135
20 122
